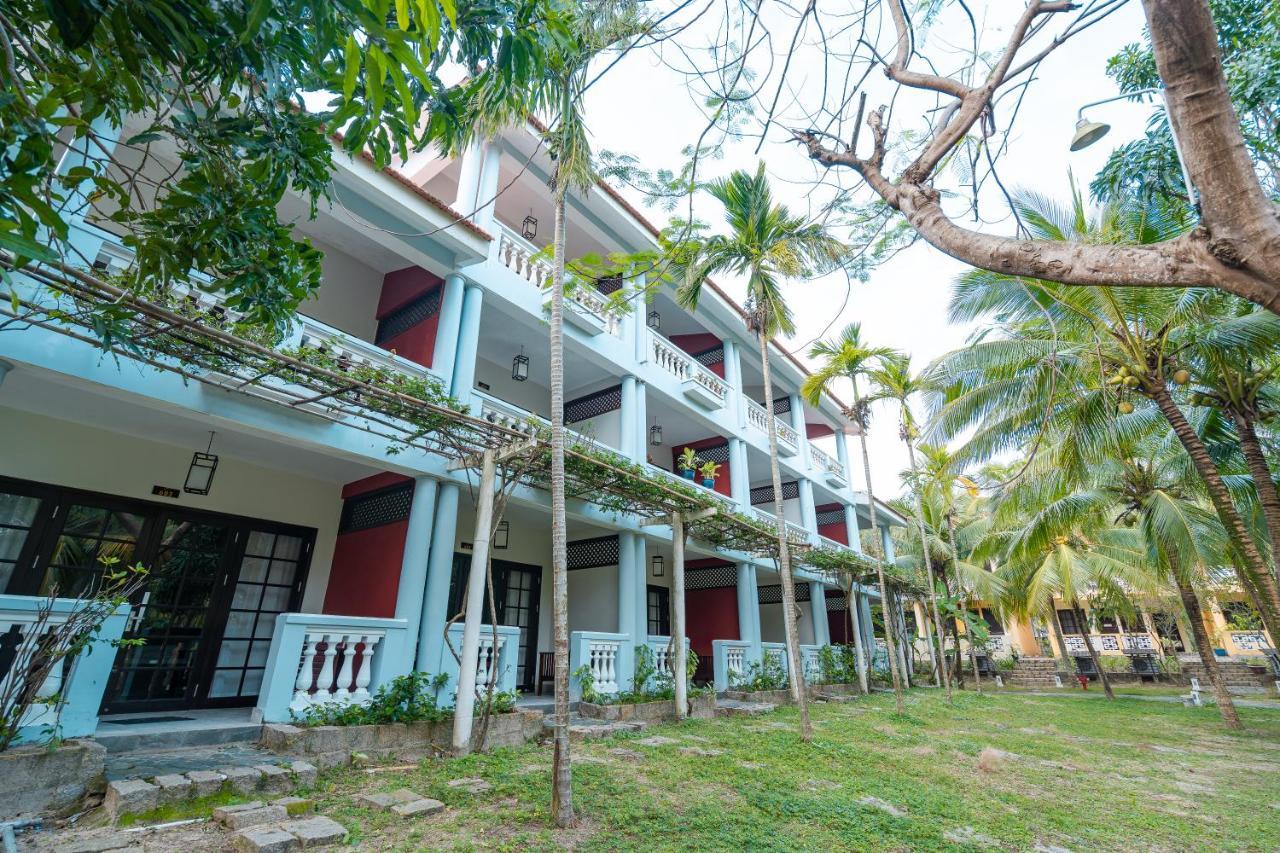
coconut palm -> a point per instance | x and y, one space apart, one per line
892 379
595 28
1102 362
767 245
846 357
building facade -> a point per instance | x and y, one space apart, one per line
321 559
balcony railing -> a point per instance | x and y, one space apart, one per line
698 383
830 467
511 416
585 308
1249 641
796 534
1137 642
729 662
601 654
788 438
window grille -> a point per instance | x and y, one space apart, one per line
376 508
764 494
593 405
590 553
711 577
407 316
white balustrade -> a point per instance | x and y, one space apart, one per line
699 382
602 659
488 656
27 651
796 534
775 655
351 352
523 258
504 414
788 438
344 668
1250 641
828 465
1140 643
756 416
735 658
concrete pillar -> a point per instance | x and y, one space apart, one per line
851 527
640 595
642 422
435 605
818 604
886 543
464 367
627 624
868 627
842 456
487 187
469 178
445 354
628 442
733 378
797 423
808 509
474 607
749 608
739 474
417 548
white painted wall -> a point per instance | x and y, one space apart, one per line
593 599
348 298
772 630
606 428
62 453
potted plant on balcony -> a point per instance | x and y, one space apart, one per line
687 462
709 471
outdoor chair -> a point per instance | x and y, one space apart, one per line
546 669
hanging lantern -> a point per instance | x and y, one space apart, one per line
200 474
502 536
654 320
659 566
655 433
520 367
529 228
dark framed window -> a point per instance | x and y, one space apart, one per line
659 602
993 621
18 514
1067 619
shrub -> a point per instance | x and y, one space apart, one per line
765 675
406 699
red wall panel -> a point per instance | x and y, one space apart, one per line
399 288
365 573
712 614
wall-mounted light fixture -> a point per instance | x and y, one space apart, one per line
529 228
502 536
655 433
200 474
520 367
659 566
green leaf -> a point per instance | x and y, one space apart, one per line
26 247
256 16
402 14
375 75
450 11
74 20
351 56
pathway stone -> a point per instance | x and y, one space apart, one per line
316 831
174 788
696 738
130 796
305 773
101 843
249 815
699 751
625 753
657 740
969 835
243 780
424 807
738 708
275 779
750 765
472 785
295 806
206 782
886 807
266 839
384 800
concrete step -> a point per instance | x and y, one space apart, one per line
137 732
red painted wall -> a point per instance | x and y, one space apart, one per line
712 615
840 626
366 563
838 531
818 430
700 342
399 288
724 482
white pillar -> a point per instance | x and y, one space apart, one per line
678 666
630 443
465 704
733 378
818 605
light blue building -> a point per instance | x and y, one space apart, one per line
315 565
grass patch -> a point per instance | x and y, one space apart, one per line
1099 775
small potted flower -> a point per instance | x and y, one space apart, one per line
709 471
687 462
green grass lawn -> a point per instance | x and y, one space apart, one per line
1080 775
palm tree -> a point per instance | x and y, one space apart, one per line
847 357
893 380
1101 360
767 245
595 28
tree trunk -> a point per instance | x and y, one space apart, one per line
1088 645
1256 576
1263 482
562 778
1242 224
1191 604
679 670
955 564
855 624
1063 657
796 665
941 658
877 550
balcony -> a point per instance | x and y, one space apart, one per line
698 383
585 310
788 438
831 469
796 535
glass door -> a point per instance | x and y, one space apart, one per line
171 618
521 588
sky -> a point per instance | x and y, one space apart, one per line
644 108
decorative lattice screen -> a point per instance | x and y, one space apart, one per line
406 317
593 405
764 494
376 508
590 553
711 577
772 594
830 516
